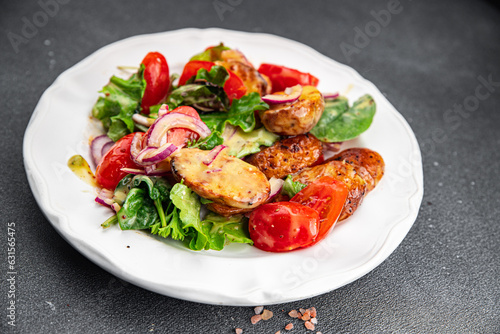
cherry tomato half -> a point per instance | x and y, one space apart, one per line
179 136
108 173
283 226
282 77
233 86
157 78
327 196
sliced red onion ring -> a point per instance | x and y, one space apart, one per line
143 120
292 94
213 154
136 146
158 154
157 131
276 185
105 197
97 150
330 96
134 171
154 170
214 170
163 110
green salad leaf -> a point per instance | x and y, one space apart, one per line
211 54
241 113
204 92
340 123
242 143
291 188
224 230
121 100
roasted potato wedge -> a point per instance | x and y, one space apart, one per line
341 171
225 180
225 210
299 117
287 156
369 164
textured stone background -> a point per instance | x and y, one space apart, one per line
443 278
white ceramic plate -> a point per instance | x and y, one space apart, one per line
240 274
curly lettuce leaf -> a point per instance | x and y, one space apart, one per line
121 100
224 230
340 123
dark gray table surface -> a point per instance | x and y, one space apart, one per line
433 60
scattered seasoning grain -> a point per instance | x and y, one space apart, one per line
238 331
289 327
266 315
258 309
309 325
306 315
302 310
255 319
314 320
278 332
313 312
293 314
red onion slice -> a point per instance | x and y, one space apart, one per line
213 154
158 154
133 171
276 185
97 145
332 147
157 132
154 170
163 110
136 146
105 197
292 94
330 96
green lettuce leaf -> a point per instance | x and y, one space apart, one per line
121 100
138 211
291 188
242 143
223 230
211 54
340 123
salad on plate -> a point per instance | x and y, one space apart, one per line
228 152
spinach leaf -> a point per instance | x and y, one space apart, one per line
223 230
241 113
121 100
339 123
291 188
138 211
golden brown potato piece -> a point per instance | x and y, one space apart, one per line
287 156
341 171
369 164
299 117
226 180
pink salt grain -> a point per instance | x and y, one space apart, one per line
293 314
309 325
255 319
266 315
289 327
313 312
306 315
258 309
239 331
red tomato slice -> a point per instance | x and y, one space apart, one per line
108 173
157 78
233 86
327 196
283 226
282 77
179 136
